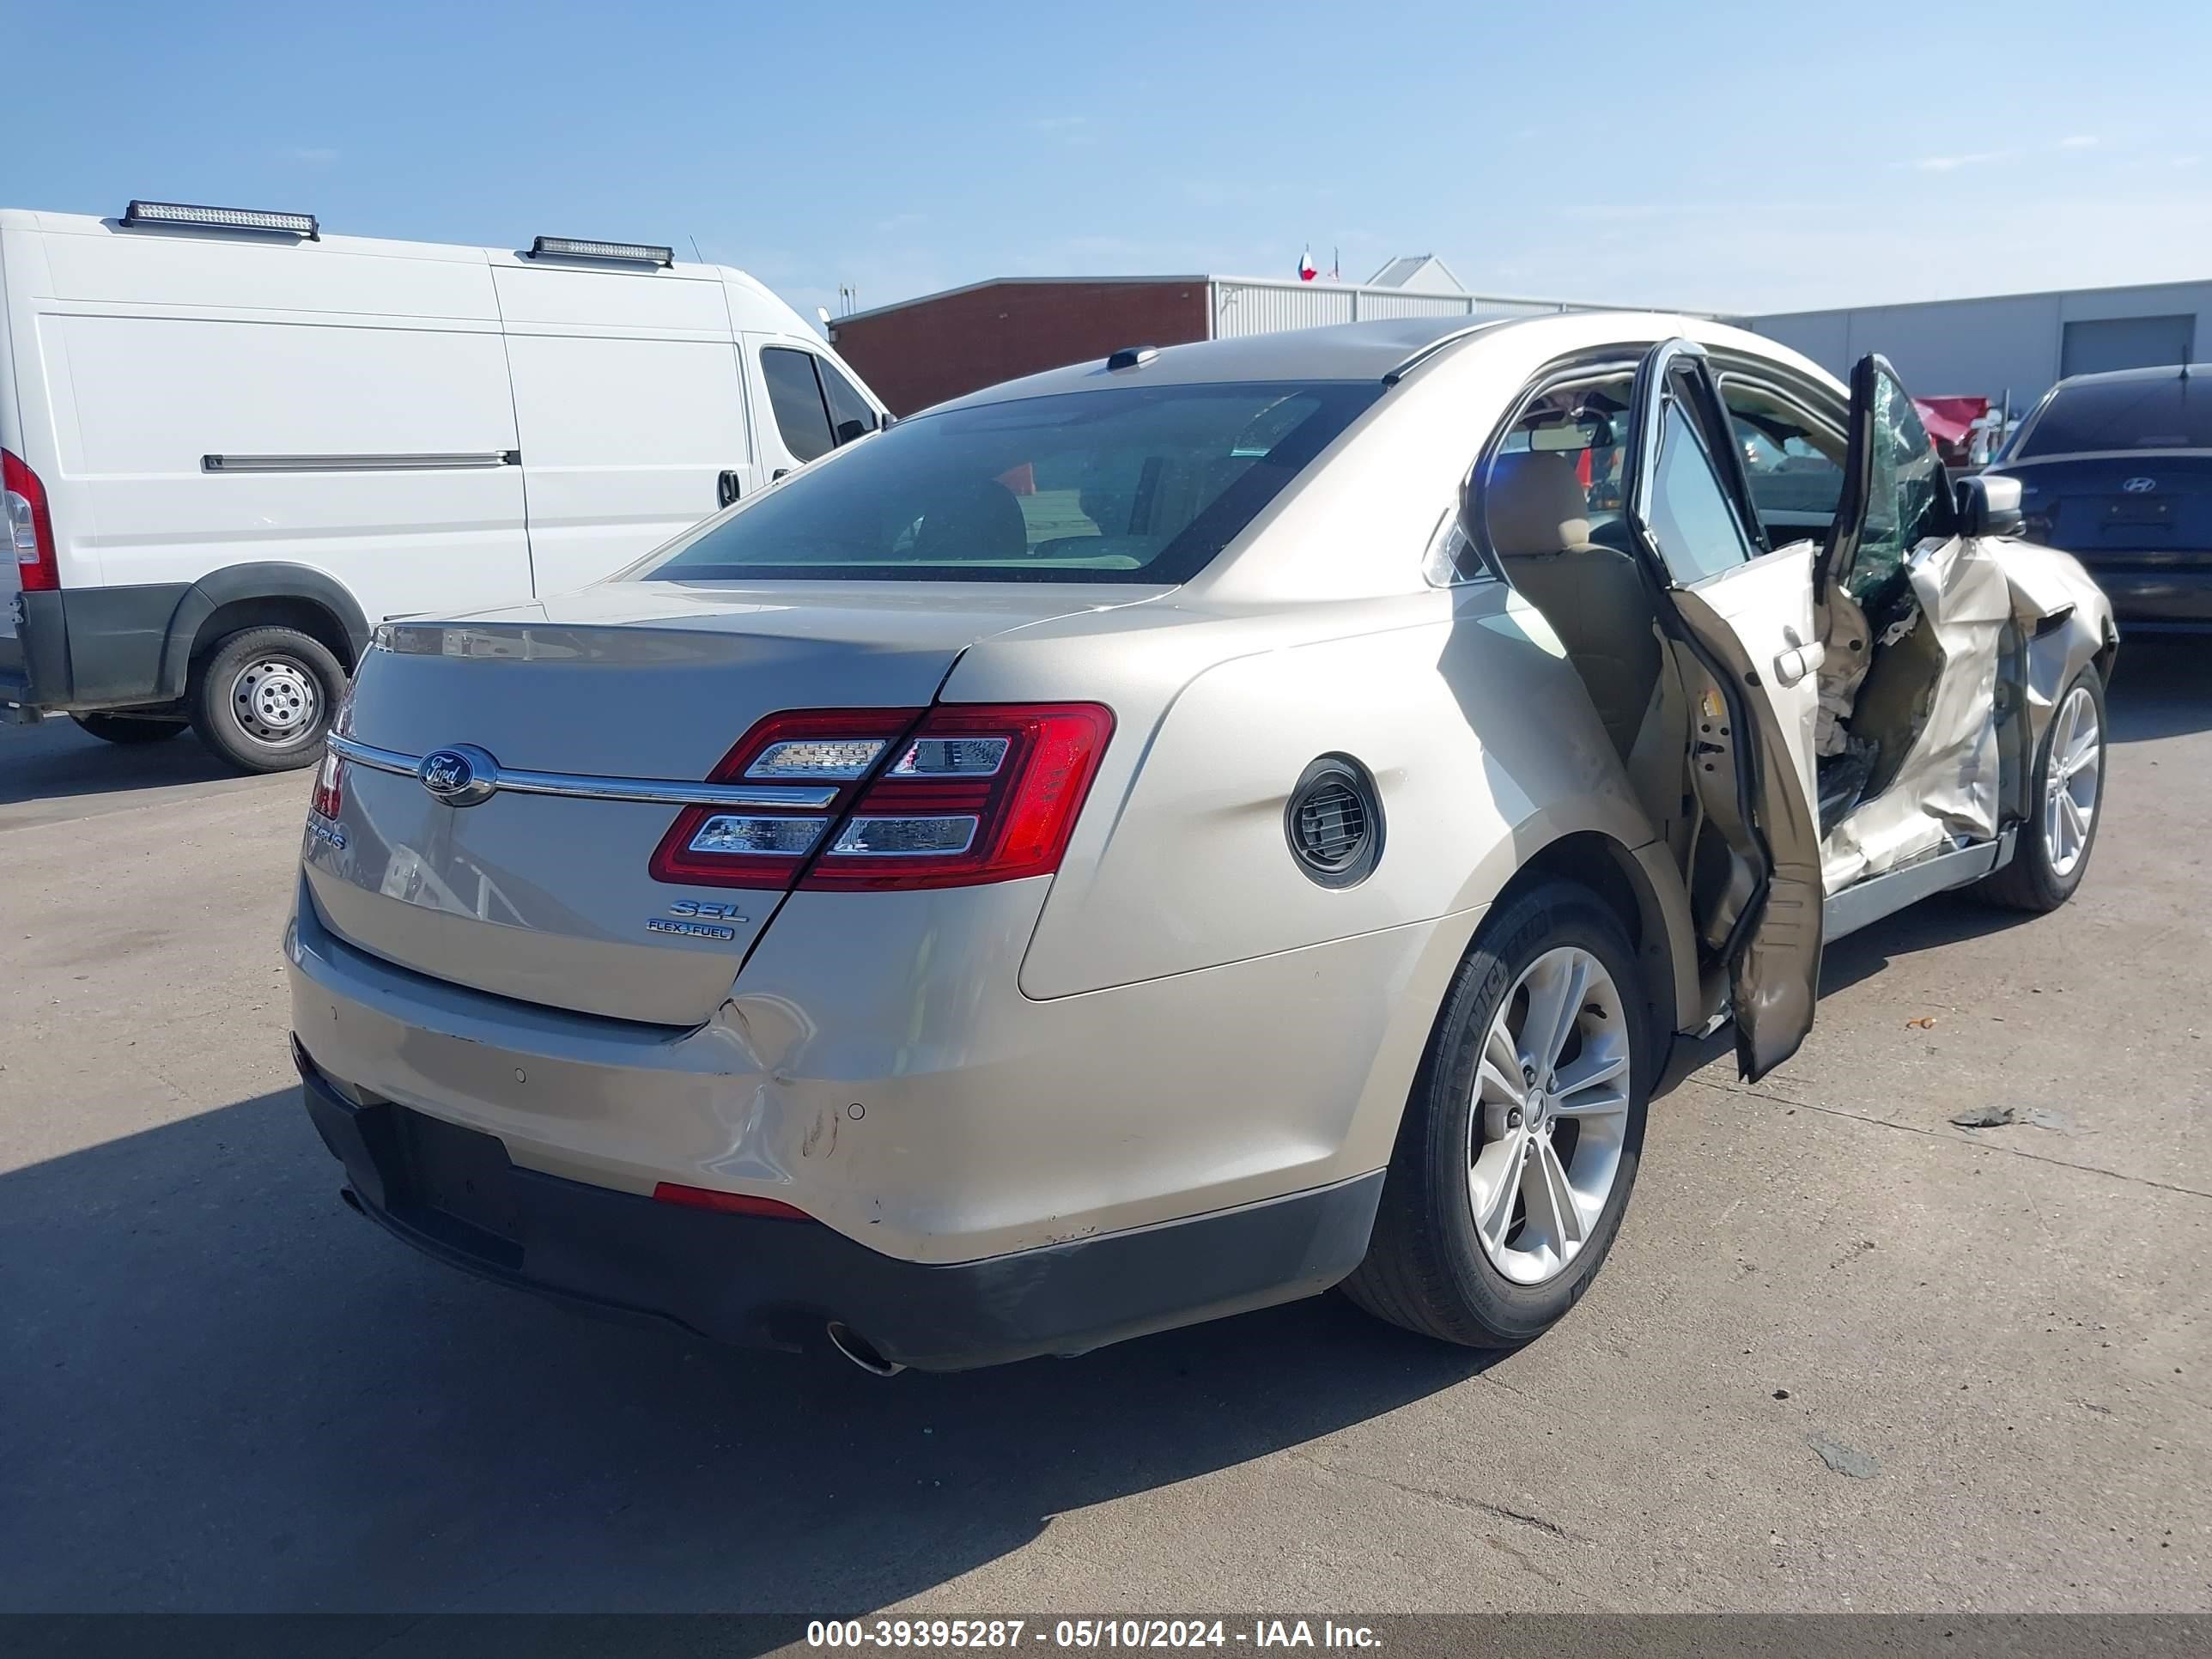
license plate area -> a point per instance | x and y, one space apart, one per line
2137 511
450 1177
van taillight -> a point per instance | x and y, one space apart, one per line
30 526
957 795
329 798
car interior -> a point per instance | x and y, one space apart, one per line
1550 513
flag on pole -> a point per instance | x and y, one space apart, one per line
1306 270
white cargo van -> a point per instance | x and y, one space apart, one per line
234 445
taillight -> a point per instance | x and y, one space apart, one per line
953 796
985 792
329 787
330 778
30 526
768 845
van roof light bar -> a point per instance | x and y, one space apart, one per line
221 218
579 247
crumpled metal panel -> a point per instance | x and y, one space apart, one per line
1946 787
2047 583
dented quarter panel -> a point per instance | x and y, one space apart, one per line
2047 583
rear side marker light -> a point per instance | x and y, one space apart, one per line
952 796
30 526
705 1198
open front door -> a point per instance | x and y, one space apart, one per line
1743 626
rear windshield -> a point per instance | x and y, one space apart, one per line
2169 414
1122 485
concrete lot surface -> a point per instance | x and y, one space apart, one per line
1846 1356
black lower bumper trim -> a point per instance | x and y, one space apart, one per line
760 1282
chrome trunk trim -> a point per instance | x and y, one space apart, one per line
664 792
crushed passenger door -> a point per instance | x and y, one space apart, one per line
1745 617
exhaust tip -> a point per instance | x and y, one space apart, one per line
858 1349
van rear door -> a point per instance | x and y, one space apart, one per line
11 582
627 398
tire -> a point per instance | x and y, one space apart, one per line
1427 1268
126 728
2049 859
262 698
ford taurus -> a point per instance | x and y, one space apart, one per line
1174 834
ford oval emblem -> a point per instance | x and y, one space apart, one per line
2140 486
460 776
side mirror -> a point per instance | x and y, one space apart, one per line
848 430
1987 506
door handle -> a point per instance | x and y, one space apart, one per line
728 487
1799 660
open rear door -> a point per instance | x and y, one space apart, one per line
1743 618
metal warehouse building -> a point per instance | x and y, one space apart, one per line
922 351
2013 344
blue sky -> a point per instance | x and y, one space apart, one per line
1739 157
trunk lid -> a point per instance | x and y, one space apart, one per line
547 898
2149 509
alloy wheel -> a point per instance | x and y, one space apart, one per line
2070 801
1550 1113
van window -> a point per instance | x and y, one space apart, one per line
846 404
797 399
1128 484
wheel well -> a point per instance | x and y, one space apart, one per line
1609 870
317 621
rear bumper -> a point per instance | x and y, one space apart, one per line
2155 597
35 659
765 1282
87 649
876 1068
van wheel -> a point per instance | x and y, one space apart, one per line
262 698
1520 1143
2067 794
126 728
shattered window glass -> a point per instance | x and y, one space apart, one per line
1908 494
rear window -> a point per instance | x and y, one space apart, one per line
2164 414
1124 484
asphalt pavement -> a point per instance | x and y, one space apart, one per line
1846 1356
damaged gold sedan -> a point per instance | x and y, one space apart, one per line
1175 833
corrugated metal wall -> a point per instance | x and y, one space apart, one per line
2007 344
1244 305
